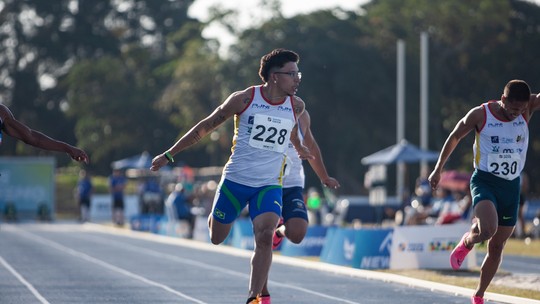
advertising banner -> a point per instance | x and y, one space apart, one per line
311 245
242 234
27 183
427 247
339 246
372 248
358 248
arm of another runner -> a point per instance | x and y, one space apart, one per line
317 162
534 104
474 119
235 103
303 152
20 131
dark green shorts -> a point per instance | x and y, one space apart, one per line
504 194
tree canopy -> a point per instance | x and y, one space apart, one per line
119 77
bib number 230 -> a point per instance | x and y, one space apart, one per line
270 133
504 165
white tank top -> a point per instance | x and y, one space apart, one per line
294 171
500 147
261 137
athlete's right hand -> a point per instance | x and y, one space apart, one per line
434 179
158 162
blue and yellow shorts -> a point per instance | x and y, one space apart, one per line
231 198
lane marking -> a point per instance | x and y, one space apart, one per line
297 262
213 268
23 281
106 265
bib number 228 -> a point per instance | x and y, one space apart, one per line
270 133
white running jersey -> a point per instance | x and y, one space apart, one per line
261 135
500 147
294 171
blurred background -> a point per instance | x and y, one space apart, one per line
120 77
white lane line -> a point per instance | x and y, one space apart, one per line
213 268
107 265
296 262
23 281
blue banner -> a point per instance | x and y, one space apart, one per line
339 246
311 245
242 234
358 248
372 248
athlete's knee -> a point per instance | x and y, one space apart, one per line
218 232
215 238
263 236
295 234
295 237
486 233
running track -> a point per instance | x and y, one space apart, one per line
72 263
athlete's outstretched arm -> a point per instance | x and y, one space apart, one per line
534 104
235 103
20 131
317 162
472 120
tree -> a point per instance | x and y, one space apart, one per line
42 41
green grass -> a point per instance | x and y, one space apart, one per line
518 247
465 278
469 278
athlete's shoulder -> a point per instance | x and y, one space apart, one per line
239 100
297 98
298 105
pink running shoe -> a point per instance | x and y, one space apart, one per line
266 300
277 239
257 300
459 253
474 300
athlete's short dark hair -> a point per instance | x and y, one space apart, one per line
276 59
517 90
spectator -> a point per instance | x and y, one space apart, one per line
455 210
418 214
423 188
179 201
117 185
84 192
151 197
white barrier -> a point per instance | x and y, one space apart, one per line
101 207
200 229
427 247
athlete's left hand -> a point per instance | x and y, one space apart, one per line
331 183
304 153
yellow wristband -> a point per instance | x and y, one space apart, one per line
169 157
